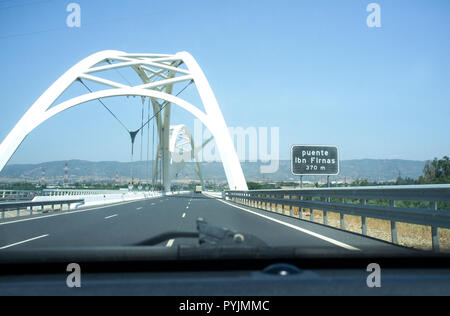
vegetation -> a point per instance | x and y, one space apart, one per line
20 186
261 186
436 171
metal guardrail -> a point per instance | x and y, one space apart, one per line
367 205
29 205
15 195
6 195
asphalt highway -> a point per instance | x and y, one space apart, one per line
131 223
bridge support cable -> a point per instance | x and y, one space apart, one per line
131 133
104 105
133 138
153 155
148 147
164 104
142 123
162 125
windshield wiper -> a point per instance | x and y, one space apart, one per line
208 235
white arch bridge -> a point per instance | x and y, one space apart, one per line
158 73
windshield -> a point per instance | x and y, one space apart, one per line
312 127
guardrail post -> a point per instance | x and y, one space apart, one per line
281 204
325 217
434 205
363 202
290 206
363 225
394 232
342 220
301 208
435 238
18 211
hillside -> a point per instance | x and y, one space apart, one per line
80 170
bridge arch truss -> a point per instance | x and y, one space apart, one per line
158 73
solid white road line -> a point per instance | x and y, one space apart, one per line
330 240
170 243
107 217
22 242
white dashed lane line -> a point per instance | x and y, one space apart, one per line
108 217
170 243
24 241
139 208
184 215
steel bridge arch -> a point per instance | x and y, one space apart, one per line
180 136
148 67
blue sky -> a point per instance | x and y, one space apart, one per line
312 68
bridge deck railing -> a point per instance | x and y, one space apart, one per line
425 205
13 195
30 206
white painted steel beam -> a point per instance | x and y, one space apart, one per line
44 107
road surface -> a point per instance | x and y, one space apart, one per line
133 222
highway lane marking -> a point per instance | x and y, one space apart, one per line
22 242
139 208
187 206
170 243
325 238
108 217
184 214
65 213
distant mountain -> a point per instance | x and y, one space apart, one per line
80 170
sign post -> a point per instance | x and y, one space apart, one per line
314 160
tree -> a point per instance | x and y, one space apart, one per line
436 171
260 186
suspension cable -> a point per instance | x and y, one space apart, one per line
118 72
99 100
153 156
162 106
148 143
142 122
134 133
